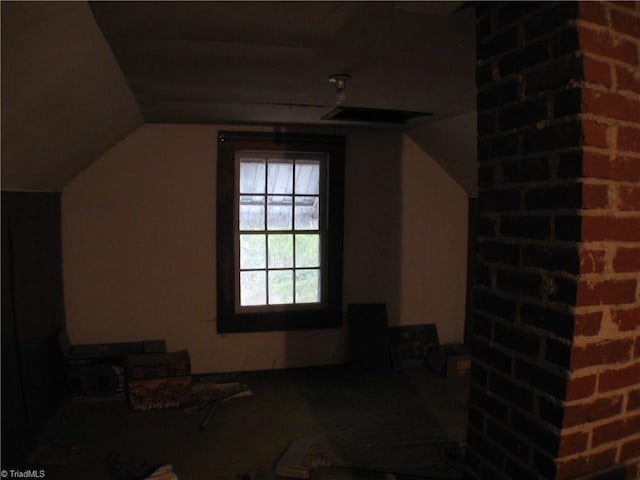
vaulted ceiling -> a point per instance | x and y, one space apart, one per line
78 77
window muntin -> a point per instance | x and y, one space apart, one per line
281 230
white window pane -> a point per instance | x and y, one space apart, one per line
253 288
307 250
280 287
251 212
279 215
252 251
307 212
280 251
280 176
307 177
307 286
252 173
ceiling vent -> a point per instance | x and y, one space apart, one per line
372 115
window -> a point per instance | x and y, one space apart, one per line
279 224
280 228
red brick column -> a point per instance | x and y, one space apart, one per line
601 424
555 386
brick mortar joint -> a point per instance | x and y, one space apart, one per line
609 151
519 21
538 362
558 307
616 183
608 29
591 451
608 121
597 370
611 395
615 443
604 244
600 277
603 89
610 213
531 444
590 309
579 344
516 186
608 323
541 97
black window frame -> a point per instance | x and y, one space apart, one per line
328 315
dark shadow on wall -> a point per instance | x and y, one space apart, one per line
471 268
372 242
373 220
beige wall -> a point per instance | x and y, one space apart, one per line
451 142
139 248
434 245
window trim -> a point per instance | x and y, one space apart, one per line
328 315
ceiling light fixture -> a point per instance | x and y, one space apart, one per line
340 80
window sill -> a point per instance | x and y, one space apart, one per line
279 321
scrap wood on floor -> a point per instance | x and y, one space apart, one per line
124 467
206 394
165 472
203 393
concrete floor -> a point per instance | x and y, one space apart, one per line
394 421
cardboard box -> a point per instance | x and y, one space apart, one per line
158 393
158 365
450 360
96 381
410 345
97 371
110 352
161 380
458 365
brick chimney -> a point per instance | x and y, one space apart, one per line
555 382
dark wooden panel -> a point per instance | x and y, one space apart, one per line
368 335
15 428
33 274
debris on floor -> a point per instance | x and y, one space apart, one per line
203 393
124 467
165 472
214 405
410 345
53 455
449 360
158 380
409 422
208 395
300 459
305 457
95 372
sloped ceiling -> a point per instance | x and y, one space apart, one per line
64 98
78 77
270 61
